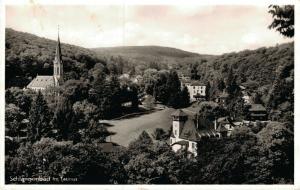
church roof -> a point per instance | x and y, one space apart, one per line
41 82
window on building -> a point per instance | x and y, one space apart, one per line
175 132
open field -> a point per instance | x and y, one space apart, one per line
128 130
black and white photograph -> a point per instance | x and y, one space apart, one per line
164 94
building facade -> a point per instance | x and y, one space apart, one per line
196 89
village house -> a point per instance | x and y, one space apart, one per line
188 130
246 96
257 112
221 98
43 82
225 126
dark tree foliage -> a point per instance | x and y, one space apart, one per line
194 72
84 162
64 121
184 100
141 144
283 19
207 91
39 119
173 86
247 158
95 133
160 134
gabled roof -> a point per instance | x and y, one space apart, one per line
189 131
257 107
179 112
41 82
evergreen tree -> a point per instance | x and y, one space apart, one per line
207 91
64 120
39 119
221 85
184 97
173 86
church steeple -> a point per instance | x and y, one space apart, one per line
58 49
58 64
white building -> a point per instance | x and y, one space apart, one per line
187 131
197 90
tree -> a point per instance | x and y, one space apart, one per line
184 97
141 144
277 144
95 133
65 122
207 90
159 134
9 98
39 119
173 86
13 120
210 110
283 19
149 102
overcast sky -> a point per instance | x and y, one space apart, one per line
201 29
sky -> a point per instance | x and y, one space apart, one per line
202 29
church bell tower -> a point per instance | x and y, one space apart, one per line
58 65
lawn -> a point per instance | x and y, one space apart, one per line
127 130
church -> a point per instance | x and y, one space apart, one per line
42 82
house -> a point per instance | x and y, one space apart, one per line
246 96
221 98
225 126
257 112
197 90
188 130
41 83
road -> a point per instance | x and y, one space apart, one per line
128 130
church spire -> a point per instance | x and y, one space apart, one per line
58 64
58 49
